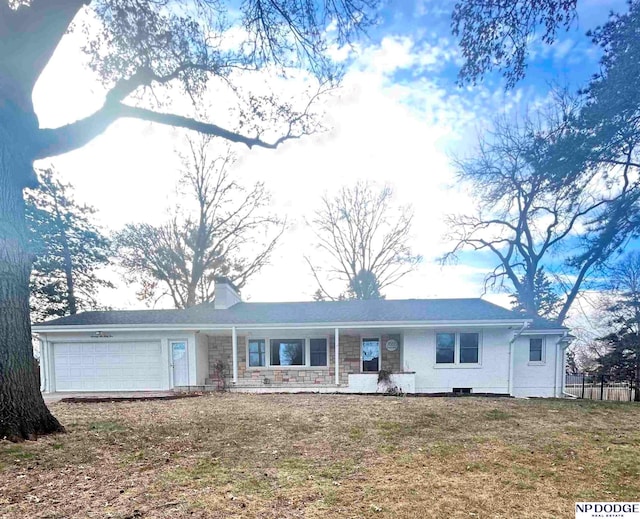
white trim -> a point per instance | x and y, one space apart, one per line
234 354
336 359
456 364
208 327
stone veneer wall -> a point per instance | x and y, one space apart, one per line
220 350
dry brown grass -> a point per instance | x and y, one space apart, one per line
325 456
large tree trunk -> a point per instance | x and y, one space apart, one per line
23 413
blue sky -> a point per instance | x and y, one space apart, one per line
398 119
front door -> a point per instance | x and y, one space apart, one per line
180 363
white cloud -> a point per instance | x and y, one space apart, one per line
389 132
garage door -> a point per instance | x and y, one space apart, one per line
113 366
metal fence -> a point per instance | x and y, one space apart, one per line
597 387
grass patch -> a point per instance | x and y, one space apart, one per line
17 452
107 427
326 456
497 414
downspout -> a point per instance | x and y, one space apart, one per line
555 364
563 349
43 371
512 354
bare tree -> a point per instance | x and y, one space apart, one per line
529 217
149 55
229 233
495 34
365 241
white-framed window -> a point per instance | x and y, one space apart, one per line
370 354
266 352
287 352
458 348
536 350
318 352
257 353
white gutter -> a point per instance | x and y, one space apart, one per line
546 331
512 353
206 327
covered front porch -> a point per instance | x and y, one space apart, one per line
304 360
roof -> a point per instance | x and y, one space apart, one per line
317 312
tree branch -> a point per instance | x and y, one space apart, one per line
56 141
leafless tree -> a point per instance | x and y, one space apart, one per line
230 233
365 240
150 56
529 216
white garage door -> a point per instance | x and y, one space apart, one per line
113 366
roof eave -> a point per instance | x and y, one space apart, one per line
204 327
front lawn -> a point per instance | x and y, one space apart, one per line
325 455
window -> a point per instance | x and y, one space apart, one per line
287 352
370 354
445 348
256 353
318 352
535 350
458 348
469 343
300 353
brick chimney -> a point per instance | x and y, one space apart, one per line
226 294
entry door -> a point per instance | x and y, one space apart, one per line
180 361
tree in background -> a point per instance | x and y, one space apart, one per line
365 240
545 298
529 219
225 229
496 34
572 182
68 250
149 55
364 285
622 357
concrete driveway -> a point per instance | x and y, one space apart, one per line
51 398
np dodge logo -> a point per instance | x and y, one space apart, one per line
607 510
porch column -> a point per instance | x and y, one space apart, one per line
337 355
234 354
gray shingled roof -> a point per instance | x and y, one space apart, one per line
404 310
